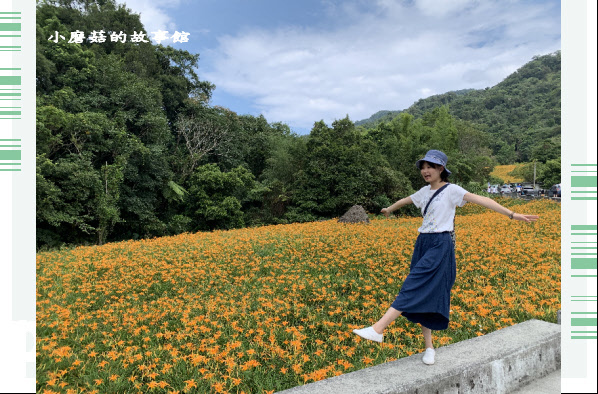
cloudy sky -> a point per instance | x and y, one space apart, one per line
299 62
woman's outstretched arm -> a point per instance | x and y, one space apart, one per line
491 204
396 205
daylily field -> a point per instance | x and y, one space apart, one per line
504 172
265 309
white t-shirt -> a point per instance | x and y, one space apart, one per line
441 212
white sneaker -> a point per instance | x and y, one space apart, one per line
369 333
429 356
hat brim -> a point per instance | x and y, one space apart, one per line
431 160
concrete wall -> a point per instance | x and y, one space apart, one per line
499 362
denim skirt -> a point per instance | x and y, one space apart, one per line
425 296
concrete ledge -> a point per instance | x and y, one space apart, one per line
499 362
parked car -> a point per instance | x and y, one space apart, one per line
529 190
555 190
506 189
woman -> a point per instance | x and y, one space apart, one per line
424 297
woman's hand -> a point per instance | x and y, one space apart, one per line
385 211
525 218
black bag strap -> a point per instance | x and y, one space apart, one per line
431 198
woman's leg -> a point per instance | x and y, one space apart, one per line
390 315
428 337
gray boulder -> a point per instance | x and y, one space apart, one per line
355 214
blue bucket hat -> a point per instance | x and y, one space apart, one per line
436 157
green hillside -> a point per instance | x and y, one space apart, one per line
430 102
522 113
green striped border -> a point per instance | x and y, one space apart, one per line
10 26
589 322
7 113
584 248
10 80
10 113
588 229
10 90
12 154
584 227
584 322
10 23
10 157
14 28
587 180
584 298
580 181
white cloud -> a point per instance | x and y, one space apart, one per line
387 59
153 13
